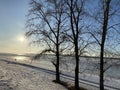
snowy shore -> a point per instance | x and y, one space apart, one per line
21 74
18 77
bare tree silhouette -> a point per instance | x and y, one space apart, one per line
47 22
104 32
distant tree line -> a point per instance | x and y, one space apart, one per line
77 27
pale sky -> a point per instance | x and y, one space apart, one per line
12 27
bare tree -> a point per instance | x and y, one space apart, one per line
75 12
105 29
104 32
46 21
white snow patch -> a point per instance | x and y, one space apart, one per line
16 77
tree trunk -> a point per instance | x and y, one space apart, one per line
77 67
105 24
101 68
57 64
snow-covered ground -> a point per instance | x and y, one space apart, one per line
18 77
22 74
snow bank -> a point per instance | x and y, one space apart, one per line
16 77
20 77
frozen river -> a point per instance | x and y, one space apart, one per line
67 64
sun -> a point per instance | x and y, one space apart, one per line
22 39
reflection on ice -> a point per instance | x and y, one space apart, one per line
20 58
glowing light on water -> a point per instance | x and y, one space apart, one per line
20 58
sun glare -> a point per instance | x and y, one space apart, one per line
22 39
